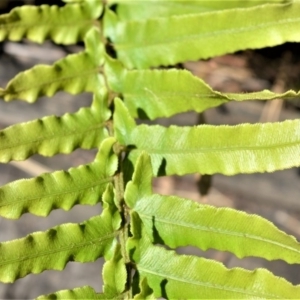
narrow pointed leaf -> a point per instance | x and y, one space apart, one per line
197 278
54 248
155 95
180 222
173 276
51 135
140 45
111 268
210 149
74 74
61 189
115 274
139 10
114 270
85 292
108 200
64 25
124 124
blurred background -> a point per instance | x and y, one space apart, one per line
275 196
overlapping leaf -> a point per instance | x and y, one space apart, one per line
139 10
180 222
163 93
64 25
61 189
73 74
210 149
173 276
85 292
145 291
114 274
139 43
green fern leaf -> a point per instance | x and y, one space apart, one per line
140 10
207 149
51 135
61 189
180 222
85 292
140 45
155 95
114 270
65 25
207 227
54 248
114 274
74 74
173 276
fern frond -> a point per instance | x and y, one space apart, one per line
64 25
140 44
54 248
52 135
179 222
174 276
74 74
140 10
61 189
208 149
163 93
114 274
85 292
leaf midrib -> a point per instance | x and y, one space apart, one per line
61 249
177 94
218 231
55 136
183 151
209 285
183 39
78 75
71 191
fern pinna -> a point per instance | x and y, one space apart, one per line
135 223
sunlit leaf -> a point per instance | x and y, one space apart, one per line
167 41
180 222
61 189
64 25
85 292
54 248
207 149
74 74
114 274
139 10
51 135
173 276
163 93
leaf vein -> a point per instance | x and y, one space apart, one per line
219 231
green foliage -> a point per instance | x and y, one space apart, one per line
65 25
136 224
140 44
154 90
